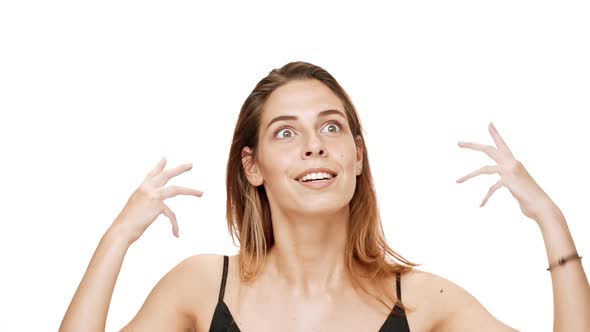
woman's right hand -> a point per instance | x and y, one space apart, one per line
147 202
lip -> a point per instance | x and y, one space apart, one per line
318 184
316 170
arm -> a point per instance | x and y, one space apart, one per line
167 308
463 312
90 304
89 307
571 292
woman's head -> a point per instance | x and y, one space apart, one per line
298 118
304 131
269 152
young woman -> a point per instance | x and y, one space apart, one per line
301 202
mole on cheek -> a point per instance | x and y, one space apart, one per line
441 291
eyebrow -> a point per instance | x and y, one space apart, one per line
293 117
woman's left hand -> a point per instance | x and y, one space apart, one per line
533 201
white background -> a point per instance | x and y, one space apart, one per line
93 94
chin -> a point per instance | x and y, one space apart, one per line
321 207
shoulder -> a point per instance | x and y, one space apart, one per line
421 297
202 267
200 278
181 295
426 286
195 282
449 306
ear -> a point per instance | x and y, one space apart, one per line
250 167
360 148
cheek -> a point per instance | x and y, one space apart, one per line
275 163
344 160
346 156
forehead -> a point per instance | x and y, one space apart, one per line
300 97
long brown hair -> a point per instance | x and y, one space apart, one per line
248 209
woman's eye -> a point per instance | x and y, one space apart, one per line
284 133
333 127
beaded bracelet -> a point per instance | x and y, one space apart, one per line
564 260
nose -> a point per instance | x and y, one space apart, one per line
314 146
320 153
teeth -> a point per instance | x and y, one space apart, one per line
316 176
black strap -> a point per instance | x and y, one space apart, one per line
223 278
398 286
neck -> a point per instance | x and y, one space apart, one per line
308 255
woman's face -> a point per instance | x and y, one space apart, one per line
304 131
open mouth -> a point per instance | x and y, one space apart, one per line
317 177
317 181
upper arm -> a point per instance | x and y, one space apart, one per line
171 304
463 312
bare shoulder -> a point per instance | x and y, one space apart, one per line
200 271
448 306
179 297
202 276
420 294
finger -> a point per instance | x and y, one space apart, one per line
495 187
500 143
484 170
491 151
169 174
168 213
158 168
171 191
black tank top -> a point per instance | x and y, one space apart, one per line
224 322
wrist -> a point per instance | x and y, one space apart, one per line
119 233
549 216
